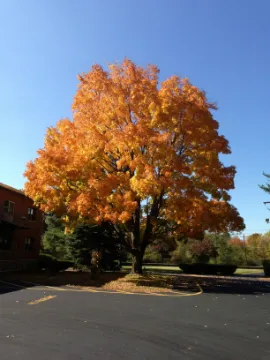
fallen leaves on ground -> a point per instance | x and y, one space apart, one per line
137 283
140 283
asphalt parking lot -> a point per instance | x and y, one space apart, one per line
49 323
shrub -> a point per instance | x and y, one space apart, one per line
202 250
50 263
54 238
89 239
266 267
109 264
192 250
152 255
62 265
46 261
208 269
181 254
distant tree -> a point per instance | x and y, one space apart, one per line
254 240
236 241
258 246
164 246
203 250
218 239
164 239
192 250
231 250
181 254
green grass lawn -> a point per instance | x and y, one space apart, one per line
150 268
249 271
176 269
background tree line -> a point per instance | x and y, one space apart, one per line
224 249
103 239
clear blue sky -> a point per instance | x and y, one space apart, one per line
222 46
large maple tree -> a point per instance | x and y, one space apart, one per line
136 152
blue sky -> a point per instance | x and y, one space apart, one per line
221 46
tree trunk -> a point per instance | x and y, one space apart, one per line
95 264
137 262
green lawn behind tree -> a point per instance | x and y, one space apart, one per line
175 269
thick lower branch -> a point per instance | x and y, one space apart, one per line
151 218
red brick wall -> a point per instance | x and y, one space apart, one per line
34 228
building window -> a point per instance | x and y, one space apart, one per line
5 243
9 207
28 244
31 214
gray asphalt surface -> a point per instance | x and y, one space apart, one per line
80 325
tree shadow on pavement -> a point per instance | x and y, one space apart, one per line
8 285
224 285
64 278
208 284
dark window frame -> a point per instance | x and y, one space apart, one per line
28 244
32 213
5 244
9 207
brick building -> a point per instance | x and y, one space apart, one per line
21 228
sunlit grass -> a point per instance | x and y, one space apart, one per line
153 267
249 271
176 269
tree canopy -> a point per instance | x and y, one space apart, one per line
136 151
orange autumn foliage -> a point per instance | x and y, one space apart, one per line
235 241
136 144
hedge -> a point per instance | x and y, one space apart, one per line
208 269
64 264
266 267
46 261
49 262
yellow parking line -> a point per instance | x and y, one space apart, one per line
114 292
199 286
45 298
106 291
121 292
176 294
